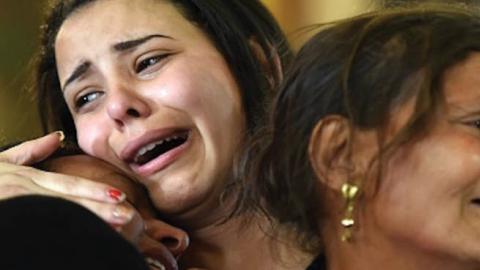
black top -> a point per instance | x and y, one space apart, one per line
318 264
53 234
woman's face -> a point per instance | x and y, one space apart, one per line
429 195
150 94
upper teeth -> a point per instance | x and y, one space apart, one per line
150 146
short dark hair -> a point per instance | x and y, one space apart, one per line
232 25
361 69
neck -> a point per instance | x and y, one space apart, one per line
365 253
233 245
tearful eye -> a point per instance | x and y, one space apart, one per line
476 201
148 62
476 123
85 99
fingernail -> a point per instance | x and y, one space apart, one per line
60 134
122 214
116 194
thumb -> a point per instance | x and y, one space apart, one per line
31 152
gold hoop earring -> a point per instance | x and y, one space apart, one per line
349 193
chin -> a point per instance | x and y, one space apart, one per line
179 198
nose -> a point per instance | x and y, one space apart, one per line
125 104
175 239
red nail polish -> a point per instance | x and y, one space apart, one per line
116 194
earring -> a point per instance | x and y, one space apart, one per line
349 193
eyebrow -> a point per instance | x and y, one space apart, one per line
463 111
130 44
119 47
79 71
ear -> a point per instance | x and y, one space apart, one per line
330 151
272 73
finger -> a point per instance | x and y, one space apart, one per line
33 151
73 186
133 230
6 168
14 185
114 214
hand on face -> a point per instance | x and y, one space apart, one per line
158 241
16 179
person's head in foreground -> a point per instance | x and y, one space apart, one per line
373 153
158 241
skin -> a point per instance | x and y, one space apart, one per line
159 241
175 82
185 84
178 82
17 178
423 215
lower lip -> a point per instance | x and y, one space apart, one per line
162 161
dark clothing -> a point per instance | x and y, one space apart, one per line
39 232
318 264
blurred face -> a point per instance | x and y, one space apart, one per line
150 94
160 241
429 195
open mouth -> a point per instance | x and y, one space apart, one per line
160 147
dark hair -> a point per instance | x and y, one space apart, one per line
361 69
232 26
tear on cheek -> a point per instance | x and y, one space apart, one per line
183 95
91 143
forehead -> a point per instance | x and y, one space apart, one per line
94 28
461 83
113 15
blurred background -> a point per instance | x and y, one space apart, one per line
20 21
